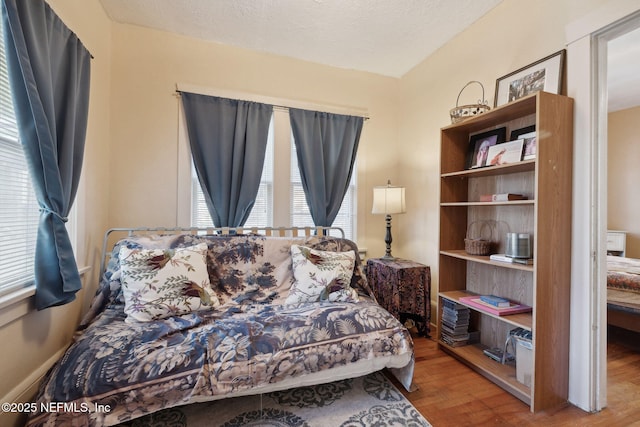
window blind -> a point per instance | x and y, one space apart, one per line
19 213
300 214
262 211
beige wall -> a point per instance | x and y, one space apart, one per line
623 203
509 37
31 340
147 65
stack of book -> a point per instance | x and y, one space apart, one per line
455 323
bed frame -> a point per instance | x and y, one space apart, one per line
371 346
623 319
623 306
621 312
114 234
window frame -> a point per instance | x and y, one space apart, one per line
282 186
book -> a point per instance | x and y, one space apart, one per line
511 260
500 258
498 355
452 305
454 332
476 302
501 197
455 343
496 301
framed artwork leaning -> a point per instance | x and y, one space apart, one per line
515 134
479 145
505 153
530 146
545 74
527 133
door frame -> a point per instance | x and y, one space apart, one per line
587 41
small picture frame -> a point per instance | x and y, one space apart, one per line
479 145
530 146
505 153
545 74
515 134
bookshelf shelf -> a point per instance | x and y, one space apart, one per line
503 375
511 203
461 254
545 215
523 166
522 320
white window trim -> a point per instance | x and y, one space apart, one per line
21 302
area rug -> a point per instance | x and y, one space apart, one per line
371 400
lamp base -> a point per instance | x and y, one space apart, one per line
388 239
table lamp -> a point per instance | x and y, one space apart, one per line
388 200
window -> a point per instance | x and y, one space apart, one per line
262 211
19 212
300 215
284 208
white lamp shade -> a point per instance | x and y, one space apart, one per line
388 200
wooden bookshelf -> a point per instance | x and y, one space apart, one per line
545 215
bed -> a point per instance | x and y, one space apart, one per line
252 339
623 292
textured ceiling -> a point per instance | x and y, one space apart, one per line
387 37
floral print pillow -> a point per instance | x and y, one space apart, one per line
321 275
159 283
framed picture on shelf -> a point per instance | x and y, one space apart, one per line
515 134
545 74
508 152
479 145
530 145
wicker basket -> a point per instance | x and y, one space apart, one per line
478 245
465 111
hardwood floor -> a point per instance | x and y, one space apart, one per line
451 394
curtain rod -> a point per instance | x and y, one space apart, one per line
286 107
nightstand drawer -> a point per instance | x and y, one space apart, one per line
616 241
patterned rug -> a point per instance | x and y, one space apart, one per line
371 400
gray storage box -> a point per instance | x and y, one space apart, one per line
524 360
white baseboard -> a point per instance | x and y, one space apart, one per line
26 391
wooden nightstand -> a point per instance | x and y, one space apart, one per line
402 287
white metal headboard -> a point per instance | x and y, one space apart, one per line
202 231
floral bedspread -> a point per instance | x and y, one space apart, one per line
115 370
623 273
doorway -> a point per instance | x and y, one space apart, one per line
587 40
617 75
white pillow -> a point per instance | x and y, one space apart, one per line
159 283
321 275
